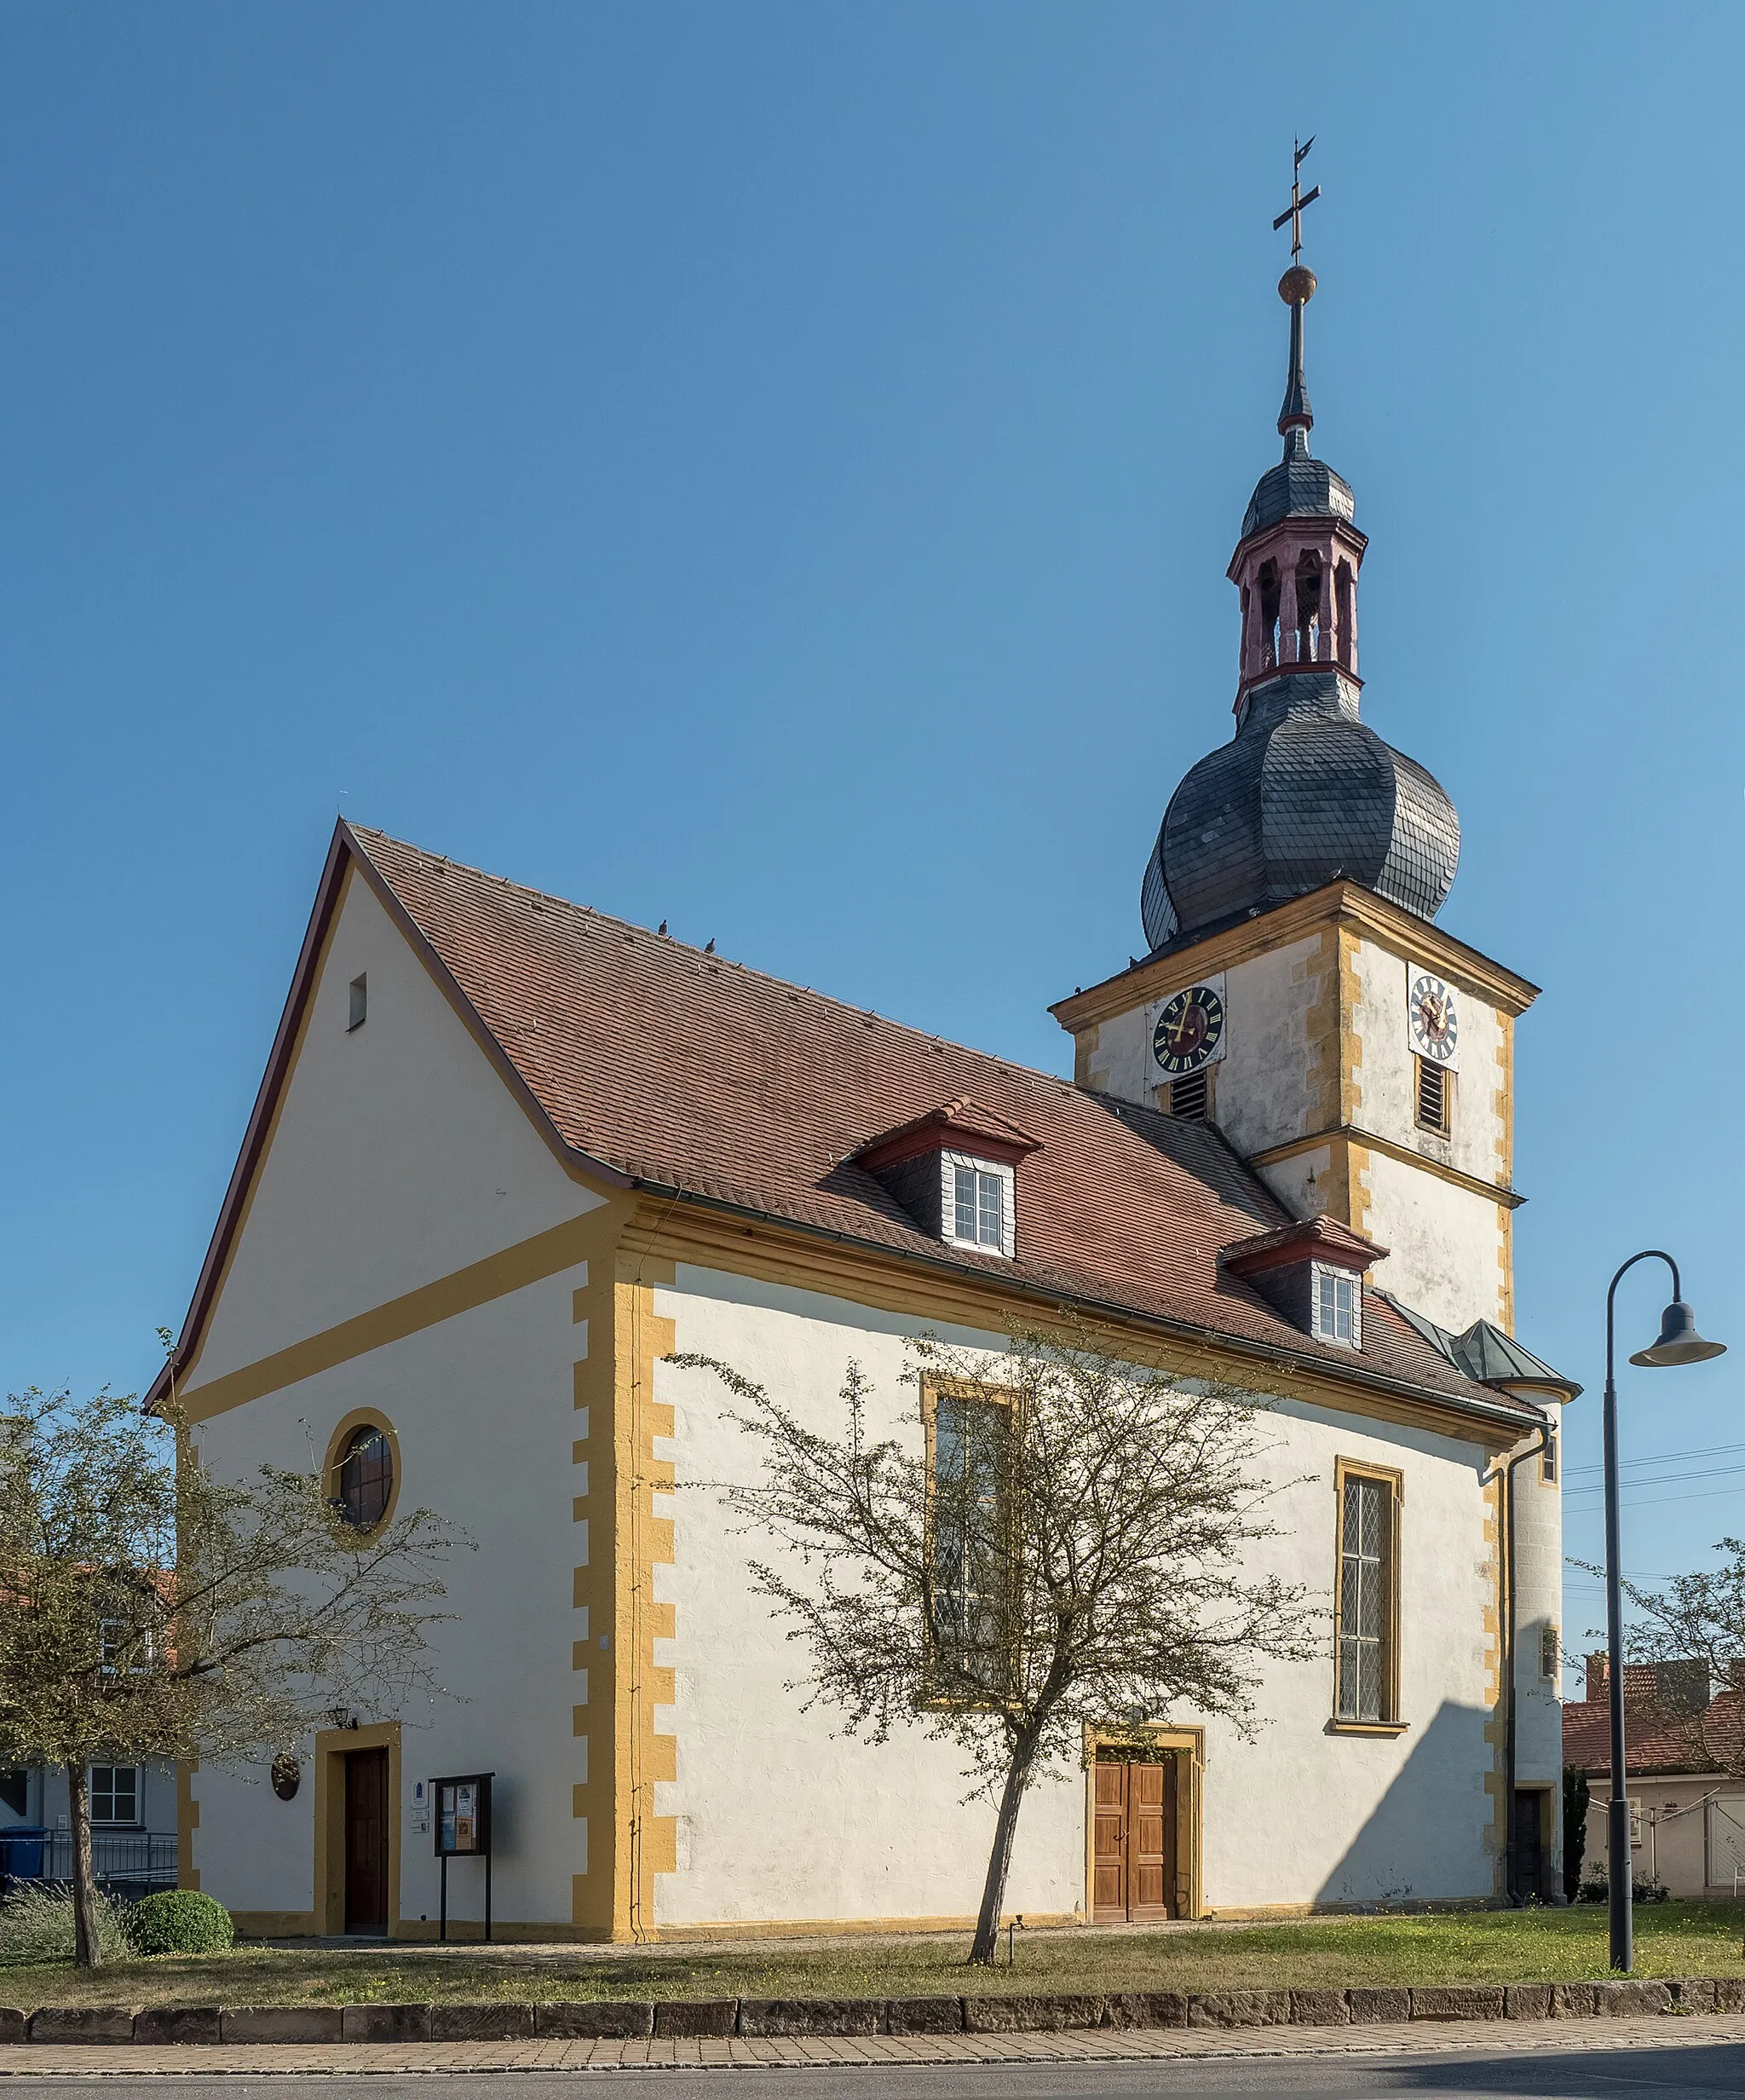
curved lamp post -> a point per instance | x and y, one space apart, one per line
1678 1343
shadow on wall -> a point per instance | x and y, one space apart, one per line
1425 1839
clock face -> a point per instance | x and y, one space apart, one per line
1189 1030
1433 1018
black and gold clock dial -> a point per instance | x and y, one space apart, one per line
1434 1021
1189 1030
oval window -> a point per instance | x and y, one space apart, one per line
365 1477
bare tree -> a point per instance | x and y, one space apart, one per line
1686 1649
150 1610
1055 1542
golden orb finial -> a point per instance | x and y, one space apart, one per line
1297 286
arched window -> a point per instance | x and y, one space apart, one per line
364 1477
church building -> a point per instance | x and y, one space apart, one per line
509 1156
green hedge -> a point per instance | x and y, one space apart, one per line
179 1921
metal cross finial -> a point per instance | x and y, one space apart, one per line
1299 204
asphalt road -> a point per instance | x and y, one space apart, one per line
1643 2072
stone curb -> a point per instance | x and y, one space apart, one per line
1014 2013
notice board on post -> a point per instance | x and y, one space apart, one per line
462 1828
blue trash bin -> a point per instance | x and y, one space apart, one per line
21 1850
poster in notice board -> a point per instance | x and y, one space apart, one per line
463 1819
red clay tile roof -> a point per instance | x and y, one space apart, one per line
683 1070
1656 1744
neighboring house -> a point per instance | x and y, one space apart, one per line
1684 1774
133 1826
509 1155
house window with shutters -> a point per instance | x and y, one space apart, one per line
1367 1598
966 1466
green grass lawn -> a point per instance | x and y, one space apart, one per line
1513 1946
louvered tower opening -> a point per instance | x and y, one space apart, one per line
1187 1097
1432 1098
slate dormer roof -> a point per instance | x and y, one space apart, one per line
657 1066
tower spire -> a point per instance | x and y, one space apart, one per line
1296 418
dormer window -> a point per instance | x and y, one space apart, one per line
977 1203
1339 1307
1312 1272
955 1172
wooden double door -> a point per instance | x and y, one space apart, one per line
366 1841
1134 1845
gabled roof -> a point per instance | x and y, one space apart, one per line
655 1066
958 1126
1306 1239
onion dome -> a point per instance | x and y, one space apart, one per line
1305 793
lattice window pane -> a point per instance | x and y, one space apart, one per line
965 1203
991 1223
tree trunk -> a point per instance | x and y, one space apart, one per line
87 1949
1011 1798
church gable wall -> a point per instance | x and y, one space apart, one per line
398 1158
774 1821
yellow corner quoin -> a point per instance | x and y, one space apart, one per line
588 1430
1496 1733
187 1821
644 1843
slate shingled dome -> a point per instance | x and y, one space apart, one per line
1300 485
1305 793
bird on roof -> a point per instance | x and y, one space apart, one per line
709 945
661 928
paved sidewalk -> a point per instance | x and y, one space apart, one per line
1418 2037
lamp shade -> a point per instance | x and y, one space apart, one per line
1679 1341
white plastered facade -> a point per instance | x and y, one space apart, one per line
1300 1816
399 1159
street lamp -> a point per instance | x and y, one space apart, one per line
1678 1343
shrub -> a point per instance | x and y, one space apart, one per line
1595 1888
36 1925
179 1921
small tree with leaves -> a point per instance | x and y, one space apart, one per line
150 1610
1054 1542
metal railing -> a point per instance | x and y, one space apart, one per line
137 1859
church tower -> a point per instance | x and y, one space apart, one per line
1297 990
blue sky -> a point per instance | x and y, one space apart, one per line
773 467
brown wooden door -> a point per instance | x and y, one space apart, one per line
1108 1894
1133 1854
366 1841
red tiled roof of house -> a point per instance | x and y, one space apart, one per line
1656 1743
681 1070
